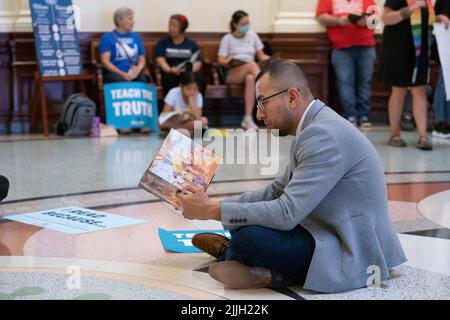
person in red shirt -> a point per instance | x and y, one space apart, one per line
352 37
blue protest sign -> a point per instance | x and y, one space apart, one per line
131 105
181 241
56 39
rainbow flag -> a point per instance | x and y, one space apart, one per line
416 27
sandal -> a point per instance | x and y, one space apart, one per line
397 142
424 144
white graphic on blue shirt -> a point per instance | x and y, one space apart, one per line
124 51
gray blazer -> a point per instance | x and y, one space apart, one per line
334 186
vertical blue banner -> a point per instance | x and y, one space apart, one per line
56 38
131 105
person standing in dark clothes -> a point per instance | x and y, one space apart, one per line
405 62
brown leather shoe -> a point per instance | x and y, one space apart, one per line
211 243
235 275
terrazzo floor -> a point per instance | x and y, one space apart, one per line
130 263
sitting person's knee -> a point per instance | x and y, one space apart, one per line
250 79
253 65
246 242
246 234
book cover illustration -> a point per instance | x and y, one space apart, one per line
179 161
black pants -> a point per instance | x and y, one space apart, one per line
4 187
111 77
170 81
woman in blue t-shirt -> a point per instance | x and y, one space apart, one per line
174 51
122 51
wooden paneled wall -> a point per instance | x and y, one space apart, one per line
17 64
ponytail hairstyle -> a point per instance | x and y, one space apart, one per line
182 20
237 16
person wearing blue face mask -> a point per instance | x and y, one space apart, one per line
237 53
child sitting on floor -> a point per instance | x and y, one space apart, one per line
183 106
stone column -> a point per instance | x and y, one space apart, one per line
23 22
296 16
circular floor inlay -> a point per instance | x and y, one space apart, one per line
48 286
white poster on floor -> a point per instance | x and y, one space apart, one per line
443 42
74 220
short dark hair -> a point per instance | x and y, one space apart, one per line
188 76
237 16
182 20
286 70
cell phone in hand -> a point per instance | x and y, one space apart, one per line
354 18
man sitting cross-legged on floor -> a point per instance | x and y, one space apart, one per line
324 222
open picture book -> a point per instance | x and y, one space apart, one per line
180 161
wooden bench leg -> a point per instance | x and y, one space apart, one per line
83 87
43 103
32 105
102 106
11 101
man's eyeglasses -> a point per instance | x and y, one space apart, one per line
260 102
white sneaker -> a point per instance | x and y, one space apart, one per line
440 135
248 123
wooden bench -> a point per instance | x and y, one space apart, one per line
217 89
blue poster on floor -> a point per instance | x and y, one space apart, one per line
55 37
181 241
131 105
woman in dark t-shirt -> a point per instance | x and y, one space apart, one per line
172 53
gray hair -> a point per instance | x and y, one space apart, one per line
121 13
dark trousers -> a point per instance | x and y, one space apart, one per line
286 252
441 105
111 77
170 81
4 187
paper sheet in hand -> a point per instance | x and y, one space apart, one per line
179 161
